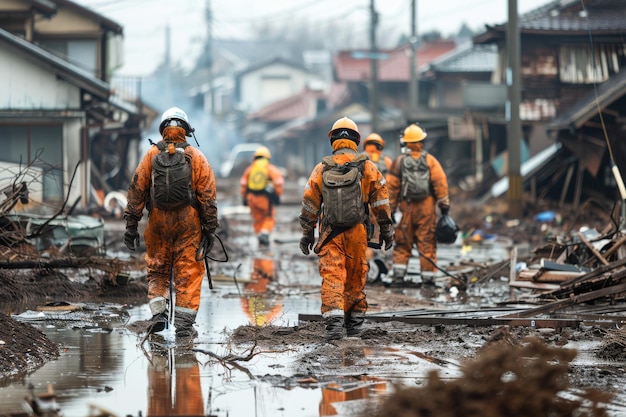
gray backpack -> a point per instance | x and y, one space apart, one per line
415 176
342 198
170 186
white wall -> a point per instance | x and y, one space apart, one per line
269 84
28 86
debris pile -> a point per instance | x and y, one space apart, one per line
500 382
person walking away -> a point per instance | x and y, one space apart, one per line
175 183
261 187
417 184
338 194
373 146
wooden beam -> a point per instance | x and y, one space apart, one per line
592 249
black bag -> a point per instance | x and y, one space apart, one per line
446 230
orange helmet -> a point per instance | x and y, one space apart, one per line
414 133
374 138
344 128
262 152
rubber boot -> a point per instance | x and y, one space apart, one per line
428 278
264 239
160 316
334 327
184 320
354 324
398 272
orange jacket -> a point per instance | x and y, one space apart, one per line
438 178
373 188
273 174
202 181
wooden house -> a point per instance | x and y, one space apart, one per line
572 77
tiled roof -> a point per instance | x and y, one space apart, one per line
301 105
568 17
468 58
355 66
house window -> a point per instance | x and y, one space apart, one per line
580 64
82 53
41 146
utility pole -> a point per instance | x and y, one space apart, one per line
413 82
374 68
514 195
209 55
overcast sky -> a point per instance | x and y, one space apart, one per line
144 21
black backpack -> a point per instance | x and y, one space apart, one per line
342 197
415 175
170 186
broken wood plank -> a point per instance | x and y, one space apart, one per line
582 298
542 286
615 247
592 249
557 276
527 275
596 272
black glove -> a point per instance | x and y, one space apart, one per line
386 236
131 236
306 242
244 201
208 239
444 210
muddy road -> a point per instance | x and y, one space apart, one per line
261 349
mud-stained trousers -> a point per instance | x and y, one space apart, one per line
417 226
172 238
263 214
343 268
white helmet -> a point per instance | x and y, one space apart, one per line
175 117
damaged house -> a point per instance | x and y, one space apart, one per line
67 135
572 98
59 114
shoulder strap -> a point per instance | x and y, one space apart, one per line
328 162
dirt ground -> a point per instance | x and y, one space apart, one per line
476 350
497 348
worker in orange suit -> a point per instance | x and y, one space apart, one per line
373 146
173 235
261 187
341 246
418 209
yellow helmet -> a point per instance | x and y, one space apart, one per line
414 133
374 138
262 152
344 128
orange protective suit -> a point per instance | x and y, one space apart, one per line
172 237
342 262
383 163
419 218
262 210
